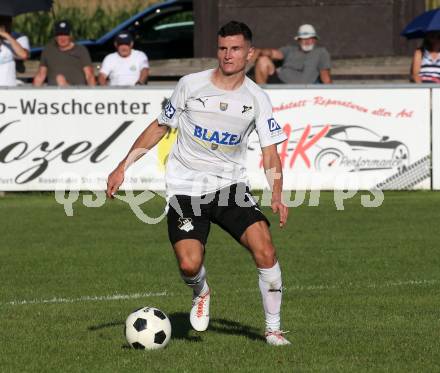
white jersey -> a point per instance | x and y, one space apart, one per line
7 61
123 71
213 130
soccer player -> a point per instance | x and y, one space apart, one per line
215 111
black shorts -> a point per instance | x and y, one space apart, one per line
232 208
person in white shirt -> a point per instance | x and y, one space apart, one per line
13 47
215 111
126 66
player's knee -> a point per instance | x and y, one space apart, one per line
189 267
266 257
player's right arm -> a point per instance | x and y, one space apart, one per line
146 141
150 136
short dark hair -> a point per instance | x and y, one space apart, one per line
6 21
235 28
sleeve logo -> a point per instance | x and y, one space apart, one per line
169 110
273 125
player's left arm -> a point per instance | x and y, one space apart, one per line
274 174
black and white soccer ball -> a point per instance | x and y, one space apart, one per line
148 328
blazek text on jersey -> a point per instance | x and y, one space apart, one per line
221 138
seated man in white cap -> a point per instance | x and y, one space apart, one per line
126 66
304 63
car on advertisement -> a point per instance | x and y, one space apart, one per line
163 31
356 148
343 147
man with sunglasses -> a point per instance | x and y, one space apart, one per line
303 63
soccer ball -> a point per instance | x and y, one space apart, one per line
147 328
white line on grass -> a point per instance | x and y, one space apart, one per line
104 298
88 298
352 285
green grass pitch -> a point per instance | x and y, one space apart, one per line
362 289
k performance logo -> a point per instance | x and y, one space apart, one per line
346 148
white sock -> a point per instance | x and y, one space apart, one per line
198 282
269 280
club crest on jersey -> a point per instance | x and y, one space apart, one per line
273 125
216 138
246 109
223 106
169 110
185 224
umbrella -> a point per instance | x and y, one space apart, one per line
419 26
15 7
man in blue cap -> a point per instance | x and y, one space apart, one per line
63 62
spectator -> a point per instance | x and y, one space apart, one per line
63 62
126 66
304 63
426 61
13 46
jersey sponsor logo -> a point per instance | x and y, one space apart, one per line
273 125
185 224
169 110
246 108
216 137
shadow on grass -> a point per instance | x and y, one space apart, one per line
181 328
230 327
106 325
